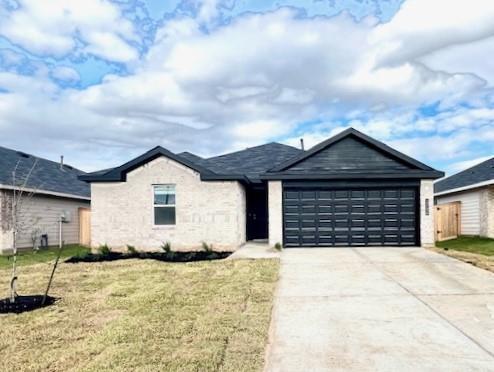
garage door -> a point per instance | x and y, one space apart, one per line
355 217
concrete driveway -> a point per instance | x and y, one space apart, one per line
381 309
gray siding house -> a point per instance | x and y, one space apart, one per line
474 189
55 189
349 190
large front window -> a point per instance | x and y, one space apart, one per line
164 204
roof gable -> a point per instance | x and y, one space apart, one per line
482 172
349 154
120 173
244 165
352 153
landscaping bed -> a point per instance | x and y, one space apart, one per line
25 303
142 315
158 256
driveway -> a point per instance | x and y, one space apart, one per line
385 309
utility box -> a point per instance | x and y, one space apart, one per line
66 216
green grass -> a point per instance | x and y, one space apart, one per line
471 244
43 255
143 315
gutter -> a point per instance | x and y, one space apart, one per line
46 192
465 188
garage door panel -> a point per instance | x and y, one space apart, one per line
353 217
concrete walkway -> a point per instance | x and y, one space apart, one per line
380 309
254 250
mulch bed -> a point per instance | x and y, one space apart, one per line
25 303
159 256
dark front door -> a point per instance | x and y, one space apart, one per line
257 214
350 217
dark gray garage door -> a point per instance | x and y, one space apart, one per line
355 217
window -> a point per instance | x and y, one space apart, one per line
164 204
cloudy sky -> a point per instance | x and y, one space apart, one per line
102 81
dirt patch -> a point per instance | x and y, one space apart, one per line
479 260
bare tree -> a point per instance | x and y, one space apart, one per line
21 195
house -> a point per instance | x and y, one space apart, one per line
474 189
349 190
52 190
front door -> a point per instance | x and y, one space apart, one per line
257 214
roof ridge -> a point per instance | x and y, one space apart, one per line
253 147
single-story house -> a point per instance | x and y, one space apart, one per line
473 188
349 190
52 190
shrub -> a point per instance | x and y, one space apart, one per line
104 250
167 247
278 246
131 249
207 247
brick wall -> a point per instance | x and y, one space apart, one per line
275 212
427 238
122 212
487 212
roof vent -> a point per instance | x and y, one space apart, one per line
22 154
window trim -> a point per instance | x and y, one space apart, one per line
154 206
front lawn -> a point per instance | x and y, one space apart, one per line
29 257
472 244
142 315
470 249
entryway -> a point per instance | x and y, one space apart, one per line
257 212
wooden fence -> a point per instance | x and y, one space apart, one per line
85 226
447 219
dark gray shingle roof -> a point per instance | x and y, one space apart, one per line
46 176
478 173
250 162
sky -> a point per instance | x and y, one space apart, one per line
103 81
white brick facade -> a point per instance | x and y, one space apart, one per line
213 212
487 212
275 213
427 238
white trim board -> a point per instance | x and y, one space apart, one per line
45 192
464 188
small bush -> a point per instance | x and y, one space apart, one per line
131 249
207 247
104 250
167 247
278 246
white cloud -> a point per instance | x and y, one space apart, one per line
65 73
258 77
51 28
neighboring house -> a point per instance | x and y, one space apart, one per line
474 189
350 190
56 190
